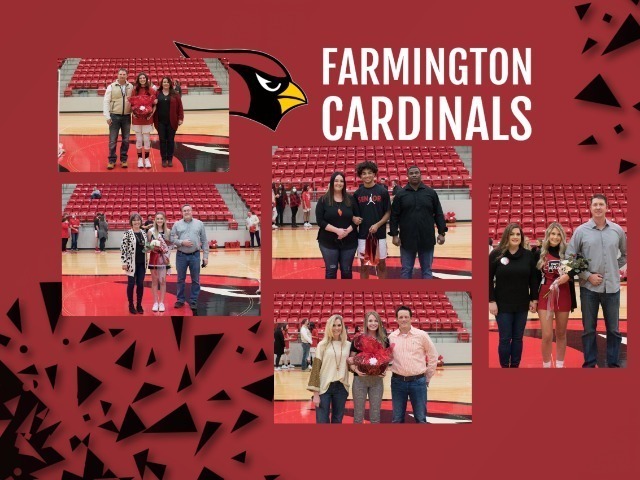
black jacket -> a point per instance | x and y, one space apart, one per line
415 213
278 342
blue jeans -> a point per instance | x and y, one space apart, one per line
137 280
589 304
408 259
167 136
332 402
74 241
416 391
334 257
192 262
119 123
511 327
305 354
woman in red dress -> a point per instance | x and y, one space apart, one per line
143 100
556 296
159 263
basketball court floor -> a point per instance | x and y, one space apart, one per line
202 144
448 400
531 356
296 255
93 284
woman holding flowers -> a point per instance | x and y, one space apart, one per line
370 344
557 296
159 264
143 100
513 291
329 379
134 261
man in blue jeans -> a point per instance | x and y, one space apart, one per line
190 237
415 211
414 362
305 340
604 243
117 111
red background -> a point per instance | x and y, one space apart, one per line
581 424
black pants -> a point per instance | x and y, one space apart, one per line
64 244
278 357
167 137
138 280
280 217
294 212
255 235
103 241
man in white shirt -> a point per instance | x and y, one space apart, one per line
117 111
305 338
253 225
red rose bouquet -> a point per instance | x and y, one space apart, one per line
373 358
141 105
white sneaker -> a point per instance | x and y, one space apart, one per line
161 307
155 307
147 163
278 369
140 162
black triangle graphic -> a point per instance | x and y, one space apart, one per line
70 476
126 359
589 44
185 381
180 420
86 439
146 390
152 358
110 426
52 296
14 315
255 327
4 340
74 442
262 388
271 477
5 413
207 474
589 141
52 372
93 331
221 395
261 357
204 347
598 92
93 466
628 32
87 384
244 419
637 106
582 9
30 370
131 425
158 469
141 461
626 165
177 323
241 457
105 406
207 432
115 331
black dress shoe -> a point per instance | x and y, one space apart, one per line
139 309
132 309
179 304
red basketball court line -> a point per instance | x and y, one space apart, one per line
573 324
531 354
313 268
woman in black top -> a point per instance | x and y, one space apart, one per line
282 200
134 261
278 344
337 216
513 292
168 116
363 384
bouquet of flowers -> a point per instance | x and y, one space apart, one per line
371 256
572 265
141 105
153 246
373 358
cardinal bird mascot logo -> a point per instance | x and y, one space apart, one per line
265 91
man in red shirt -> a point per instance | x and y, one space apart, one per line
74 227
294 203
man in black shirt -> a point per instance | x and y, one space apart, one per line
414 211
375 208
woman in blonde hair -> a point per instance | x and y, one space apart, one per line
513 291
329 379
364 384
556 297
159 263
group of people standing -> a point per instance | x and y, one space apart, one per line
280 199
523 281
346 222
187 235
140 107
412 367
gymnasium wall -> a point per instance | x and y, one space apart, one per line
189 102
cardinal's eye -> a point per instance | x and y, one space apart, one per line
266 84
